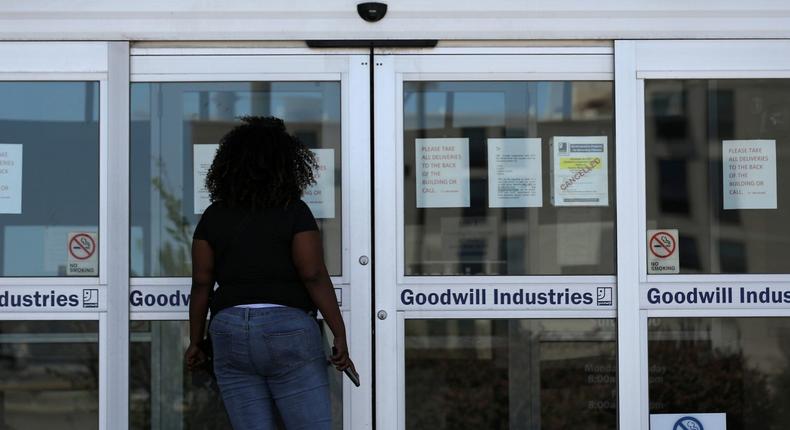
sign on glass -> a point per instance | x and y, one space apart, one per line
442 172
10 178
749 174
202 157
320 197
514 173
579 172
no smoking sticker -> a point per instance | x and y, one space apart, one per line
662 252
82 256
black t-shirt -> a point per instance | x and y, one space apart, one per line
252 254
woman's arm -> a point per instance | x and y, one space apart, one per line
202 283
308 257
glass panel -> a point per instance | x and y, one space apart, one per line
508 178
164 395
715 156
511 374
173 129
737 366
49 375
49 178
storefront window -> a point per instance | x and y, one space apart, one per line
49 178
49 375
717 155
509 178
739 367
175 128
165 395
546 374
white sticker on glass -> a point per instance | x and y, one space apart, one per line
202 157
749 174
663 252
320 197
514 173
10 178
690 421
579 171
442 172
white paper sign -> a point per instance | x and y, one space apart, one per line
442 172
514 173
749 174
10 178
83 258
579 171
202 157
688 421
663 252
321 196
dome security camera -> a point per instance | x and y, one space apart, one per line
372 11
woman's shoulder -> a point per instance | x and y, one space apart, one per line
302 217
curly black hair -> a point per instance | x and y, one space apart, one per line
260 165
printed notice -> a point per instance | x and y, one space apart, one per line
749 174
442 172
663 252
514 173
10 178
202 157
82 256
579 172
320 197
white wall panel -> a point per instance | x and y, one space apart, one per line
35 57
438 19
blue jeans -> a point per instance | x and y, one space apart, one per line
267 358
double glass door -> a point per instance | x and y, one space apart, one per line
477 279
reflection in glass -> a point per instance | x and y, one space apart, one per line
49 375
686 122
165 395
737 366
510 374
469 235
170 119
49 141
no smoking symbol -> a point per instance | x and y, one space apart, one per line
662 245
82 246
688 423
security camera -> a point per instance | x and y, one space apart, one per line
372 11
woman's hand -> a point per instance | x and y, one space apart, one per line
340 358
194 357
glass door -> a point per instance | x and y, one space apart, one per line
182 102
494 235
55 263
712 122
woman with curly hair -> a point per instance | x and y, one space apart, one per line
260 243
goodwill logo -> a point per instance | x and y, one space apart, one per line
60 298
507 297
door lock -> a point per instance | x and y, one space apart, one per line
382 315
363 260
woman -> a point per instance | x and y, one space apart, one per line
259 241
